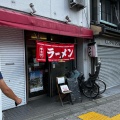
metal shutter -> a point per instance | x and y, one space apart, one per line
12 60
0 106
110 67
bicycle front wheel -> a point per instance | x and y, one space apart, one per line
91 92
102 86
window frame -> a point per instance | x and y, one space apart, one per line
105 21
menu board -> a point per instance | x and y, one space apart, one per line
73 86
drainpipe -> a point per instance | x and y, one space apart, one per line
93 60
95 63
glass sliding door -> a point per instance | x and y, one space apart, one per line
35 74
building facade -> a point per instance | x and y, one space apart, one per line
22 23
105 21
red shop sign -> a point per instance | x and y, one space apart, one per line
64 52
50 52
67 51
40 52
55 52
71 54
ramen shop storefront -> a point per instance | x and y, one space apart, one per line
48 56
40 75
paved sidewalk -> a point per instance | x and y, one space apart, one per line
109 110
109 106
48 109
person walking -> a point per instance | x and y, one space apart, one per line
8 92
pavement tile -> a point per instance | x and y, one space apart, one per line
110 109
48 110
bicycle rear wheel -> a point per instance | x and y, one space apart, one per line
91 92
102 86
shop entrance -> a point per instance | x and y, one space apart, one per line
41 76
38 73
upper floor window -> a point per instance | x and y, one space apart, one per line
109 11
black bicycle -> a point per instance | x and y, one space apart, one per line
92 87
89 88
101 85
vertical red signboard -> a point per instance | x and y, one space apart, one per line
40 52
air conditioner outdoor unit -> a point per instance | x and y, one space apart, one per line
77 4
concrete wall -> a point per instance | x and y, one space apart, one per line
55 9
83 60
86 59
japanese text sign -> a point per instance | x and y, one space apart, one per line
40 52
55 52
